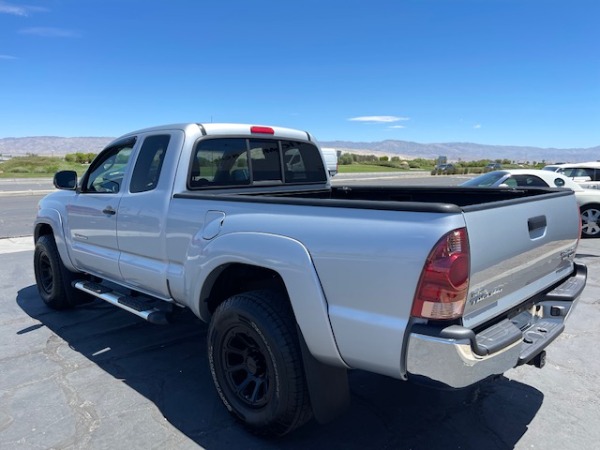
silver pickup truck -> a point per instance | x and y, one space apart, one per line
300 281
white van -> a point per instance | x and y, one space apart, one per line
331 160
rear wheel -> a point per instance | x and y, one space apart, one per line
53 279
256 362
590 221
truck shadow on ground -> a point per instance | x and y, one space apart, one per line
168 366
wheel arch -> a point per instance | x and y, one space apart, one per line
239 262
49 222
590 205
234 278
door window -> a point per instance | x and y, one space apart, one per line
149 163
106 173
529 181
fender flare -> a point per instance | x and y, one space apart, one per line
281 254
52 218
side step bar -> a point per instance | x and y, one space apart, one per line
154 311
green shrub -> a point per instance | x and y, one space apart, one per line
17 169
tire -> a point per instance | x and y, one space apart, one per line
256 362
53 279
590 221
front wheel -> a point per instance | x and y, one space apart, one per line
256 362
590 221
53 279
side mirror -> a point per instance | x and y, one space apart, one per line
65 179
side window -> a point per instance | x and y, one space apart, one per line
105 175
581 173
303 163
530 181
219 162
586 174
149 163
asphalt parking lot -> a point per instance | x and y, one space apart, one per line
97 377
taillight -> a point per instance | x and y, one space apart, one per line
442 289
262 130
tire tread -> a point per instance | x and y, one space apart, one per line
276 311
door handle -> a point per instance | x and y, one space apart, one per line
109 210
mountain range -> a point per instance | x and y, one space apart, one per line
454 151
468 151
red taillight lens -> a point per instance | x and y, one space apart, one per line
262 130
442 289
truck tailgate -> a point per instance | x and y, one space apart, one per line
518 248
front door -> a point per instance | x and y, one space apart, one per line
91 222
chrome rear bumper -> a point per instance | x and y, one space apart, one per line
458 357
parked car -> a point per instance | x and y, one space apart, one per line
553 167
587 199
448 169
492 166
586 174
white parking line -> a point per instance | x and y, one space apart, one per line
29 192
14 245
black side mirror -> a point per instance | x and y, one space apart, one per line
65 179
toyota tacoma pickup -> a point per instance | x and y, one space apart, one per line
300 281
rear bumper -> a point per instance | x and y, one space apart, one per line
458 357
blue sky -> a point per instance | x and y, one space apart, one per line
505 72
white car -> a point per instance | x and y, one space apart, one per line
586 174
587 199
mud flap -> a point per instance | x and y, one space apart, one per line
328 387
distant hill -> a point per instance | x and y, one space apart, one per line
60 146
51 145
467 151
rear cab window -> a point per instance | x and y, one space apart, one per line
232 162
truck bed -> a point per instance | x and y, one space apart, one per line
406 198
517 249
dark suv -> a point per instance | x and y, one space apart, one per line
446 169
493 166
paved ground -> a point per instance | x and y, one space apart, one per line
97 377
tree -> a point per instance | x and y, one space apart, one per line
346 159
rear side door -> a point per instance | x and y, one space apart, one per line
142 213
91 218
